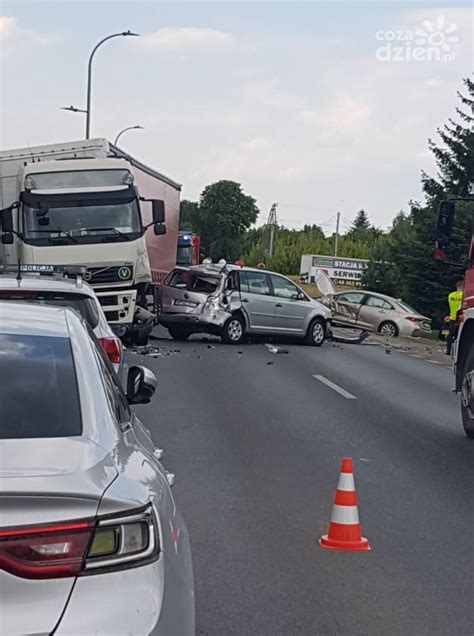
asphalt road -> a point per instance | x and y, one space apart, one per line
256 448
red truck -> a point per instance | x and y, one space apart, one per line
463 356
189 249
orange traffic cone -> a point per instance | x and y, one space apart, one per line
344 528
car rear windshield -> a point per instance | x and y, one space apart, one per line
38 388
193 281
84 305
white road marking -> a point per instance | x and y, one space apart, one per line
335 387
434 362
415 355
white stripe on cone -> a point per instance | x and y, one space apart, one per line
345 515
346 482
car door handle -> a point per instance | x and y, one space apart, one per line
278 305
245 300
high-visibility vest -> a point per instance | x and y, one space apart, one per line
455 302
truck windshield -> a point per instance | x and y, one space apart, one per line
60 219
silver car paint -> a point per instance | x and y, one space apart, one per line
369 317
65 285
117 469
262 313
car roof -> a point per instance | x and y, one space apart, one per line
214 269
29 319
33 282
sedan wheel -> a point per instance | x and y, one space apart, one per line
388 329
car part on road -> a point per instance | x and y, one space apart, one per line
316 332
389 329
234 330
467 396
344 528
336 336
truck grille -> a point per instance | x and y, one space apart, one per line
108 301
116 274
112 316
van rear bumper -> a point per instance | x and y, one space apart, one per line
204 323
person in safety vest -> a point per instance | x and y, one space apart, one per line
455 302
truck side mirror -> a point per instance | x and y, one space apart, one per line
7 239
6 220
158 210
159 229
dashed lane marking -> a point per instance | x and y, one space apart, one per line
335 387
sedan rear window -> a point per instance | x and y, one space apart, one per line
84 305
38 388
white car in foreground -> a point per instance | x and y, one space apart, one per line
91 540
65 292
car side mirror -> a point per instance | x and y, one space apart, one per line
159 229
141 385
158 210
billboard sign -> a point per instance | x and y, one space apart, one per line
341 271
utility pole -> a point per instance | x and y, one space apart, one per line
271 225
336 236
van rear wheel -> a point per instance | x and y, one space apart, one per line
316 333
233 331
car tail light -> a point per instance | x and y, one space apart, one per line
83 547
414 319
112 348
45 552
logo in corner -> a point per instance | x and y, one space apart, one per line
124 273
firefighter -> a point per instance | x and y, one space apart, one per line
455 302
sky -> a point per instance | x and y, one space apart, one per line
319 106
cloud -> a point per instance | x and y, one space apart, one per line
186 38
13 36
267 93
343 114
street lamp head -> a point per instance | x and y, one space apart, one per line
137 35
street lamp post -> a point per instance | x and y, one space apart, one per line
89 75
87 110
137 127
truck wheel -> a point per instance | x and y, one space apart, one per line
467 396
316 332
388 328
233 331
141 340
178 333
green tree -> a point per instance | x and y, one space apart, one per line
454 158
405 266
225 214
189 216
